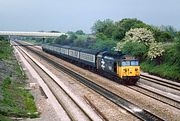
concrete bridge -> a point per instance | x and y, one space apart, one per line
36 34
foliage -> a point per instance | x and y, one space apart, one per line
140 35
124 25
73 36
170 29
117 30
103 43
155 50
139 50
105 27
164 70
5 49
80 32
61 39
16 101
4 118
162 36
172 55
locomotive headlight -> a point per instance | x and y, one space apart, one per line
136 69
125 70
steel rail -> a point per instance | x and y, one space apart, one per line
70 116
130 107
176 103
172 85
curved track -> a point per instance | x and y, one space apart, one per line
130 107
78 113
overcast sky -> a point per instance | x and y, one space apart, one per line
72 15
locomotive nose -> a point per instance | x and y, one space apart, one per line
130 71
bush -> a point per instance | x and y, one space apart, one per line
5 49
156 50
138 50
163 70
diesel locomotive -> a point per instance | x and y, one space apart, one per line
122 67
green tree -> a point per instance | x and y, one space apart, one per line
103 43
73 36
162 36
80 32
61 39
139 50
105 27
124 25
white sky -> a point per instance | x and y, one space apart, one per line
72 15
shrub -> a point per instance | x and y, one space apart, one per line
138 50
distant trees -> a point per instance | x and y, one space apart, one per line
124 25
80 32
105 27
61 39
116 30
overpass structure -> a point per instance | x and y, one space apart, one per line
36 34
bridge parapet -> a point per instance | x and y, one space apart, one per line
37 34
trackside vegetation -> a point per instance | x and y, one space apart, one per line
15 100
157 47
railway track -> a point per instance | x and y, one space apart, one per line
130 107
157 95
160 89
159 81
73 109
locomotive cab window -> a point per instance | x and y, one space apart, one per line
129 63
125 63
134 63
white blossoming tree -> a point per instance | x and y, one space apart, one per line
142 36
155 50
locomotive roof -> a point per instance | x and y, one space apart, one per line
115 55
90 51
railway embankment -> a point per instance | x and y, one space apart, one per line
15 100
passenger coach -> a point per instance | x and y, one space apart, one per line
123 67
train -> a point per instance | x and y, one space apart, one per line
117 66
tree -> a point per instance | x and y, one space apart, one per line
156 50
80 32
140 35
103 43
124 25
73 37
105 27
162 36
140 42
61 39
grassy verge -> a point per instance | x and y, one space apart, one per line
15 100
5 49
164 70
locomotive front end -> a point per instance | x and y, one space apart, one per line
129 70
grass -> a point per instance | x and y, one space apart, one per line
5 50
164 70
16 102
4 118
